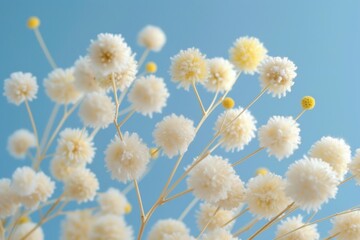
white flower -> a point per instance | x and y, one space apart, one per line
355 166
149 95
112 202
76 146
61 169
23 229
109 53
24 181
165 228
174 134
235 197
85 76
218 234
347 226
189 66
281 136
278 74
81 185
206 214
77 225
19 143
310 183
110 227
9 201
291 223
152 38
211 179
266 196
237 128
222 75
60 87
335 152
127 160
20 87
97 110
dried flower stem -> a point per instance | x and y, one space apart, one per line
207 224
247 156
143 57
299 115
346 180
127 117
31 117
247 227
49 125
332 236
236 216
44 48
188 209
198 98
176 196
138 194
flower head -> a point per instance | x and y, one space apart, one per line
152 38
347 226
61 169
9 200
20 87
217 234
164 229
291 223
23 229
355 166
24 181
151 67
85 76
112 202
308 102
77 225
235 197
262 171
207 212
110 227
222 75
228 103
33 22
20 142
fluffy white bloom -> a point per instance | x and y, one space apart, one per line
109 53
280 136
19 143
335 152
123 78
218 234
163 229
174 134
22 229
81 185
9 201
97 110
235 196
211 179
77 225
207 212
277 73
152 38
310 183
76 146
60 87
347 225
61 169
355 166
127 159
236 130
85 76
291 223
222 75
189 66
20 87
112 202
178 236
24 181
266 195
111 227
149 95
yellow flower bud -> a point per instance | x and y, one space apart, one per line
33 22
261 171
151 67
228 103
128 208
154 153
23 219
308 103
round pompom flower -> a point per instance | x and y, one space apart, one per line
76 146
207 212
61 169
85 77
280 136
151 37
310 183
235 197
20 87
278 75
218 234
109 53
60 87
127 160
291 223
189 66
97 110
77 225
355 166
222 75
211 179
112 202
247 53
174 134
148 95
9 200
24 181
33 22
347 226
308 102
237 128
164 229
110 227
335 152
266 196
81 185
19 143
23 229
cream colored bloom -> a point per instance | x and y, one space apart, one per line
23 229
355 166
218 234
61 169
152 38
20 142
85 76
291 223
110 227
77 225
235 197
112 202
207 212
347 226
9 200
20 87
163 229
23 181
222 75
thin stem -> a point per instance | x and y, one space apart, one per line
236 217
49 125
311 216
246 227
299 115
126 110
94 132
346 180
126 118
198 98
247 156
207 224
177 196
44 48
116 107
171 176
143 57
139 200
188 209
213 101
333 236
31 117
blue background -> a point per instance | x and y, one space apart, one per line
321 37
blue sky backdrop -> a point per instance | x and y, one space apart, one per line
321 37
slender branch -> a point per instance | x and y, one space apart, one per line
236 217
31 117
188 209
198 98
176 196
247 156
142 213
246 227
49 125
299 115
143 57
44 48
333 236
208 223
127 117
